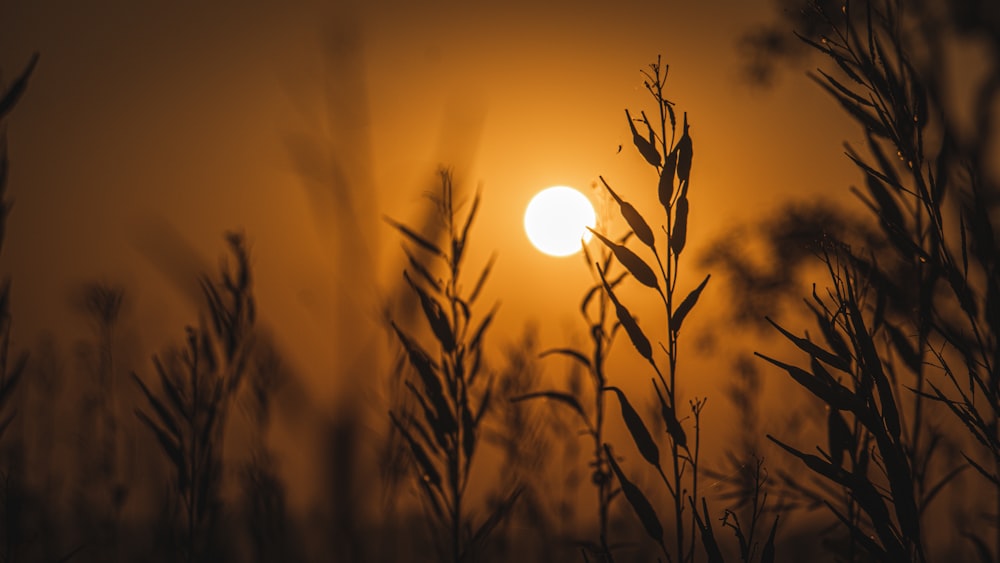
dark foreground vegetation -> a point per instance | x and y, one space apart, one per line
170 459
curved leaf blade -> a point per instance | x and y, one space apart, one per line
640 504
677 319
637 428
636 266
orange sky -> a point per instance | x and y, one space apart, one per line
148 117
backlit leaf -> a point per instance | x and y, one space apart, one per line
635 334
767 554
707 534
435 315
665 188
811 348
678 237
414 237
17 88
646 149
429 473
685 153
632 217
636 266
476 289
640 504
637 428
685 307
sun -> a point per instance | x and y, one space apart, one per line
557 219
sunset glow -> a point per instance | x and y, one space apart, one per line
264 296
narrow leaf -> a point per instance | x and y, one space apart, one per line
646 149
413 236
422 270
637 428
472 215
161 411
435 315
665 188
490 524
440 431
685 307
476 289
428 372
873 367
767 555
678 237
811 348
640 504
484 324
635 334
707 535
833 338
836 396
685 153
635 220
636 266
429 473
170 445
841 88
17 88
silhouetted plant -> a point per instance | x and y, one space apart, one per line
671 158
874 429
12 367
451 387
923 317
601 329
198 383
751 500
103 462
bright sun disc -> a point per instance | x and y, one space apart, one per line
557 218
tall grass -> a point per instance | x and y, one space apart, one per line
912 331
197 385
104 441
451 386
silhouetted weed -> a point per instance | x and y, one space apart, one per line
915 325
602 331
12 366
197 386
451 387
671 157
